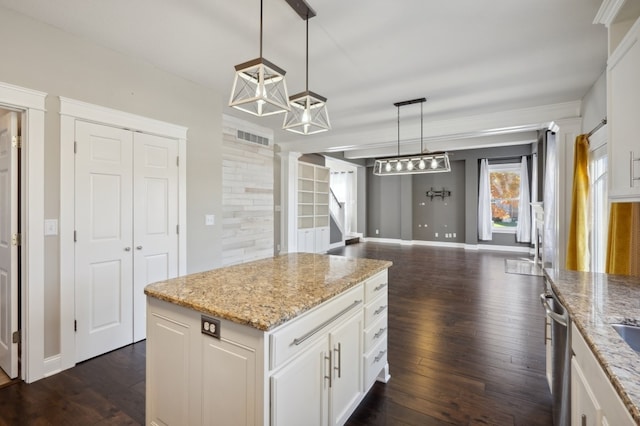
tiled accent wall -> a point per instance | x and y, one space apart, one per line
247 184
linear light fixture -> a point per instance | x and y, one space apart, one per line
424 162
308 113
259 86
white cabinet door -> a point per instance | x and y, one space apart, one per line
347 383
585 410
8 250
306 238
155 218
624 104
299 392
104 229
322 240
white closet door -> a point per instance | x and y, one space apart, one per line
103 249
155 218
8 250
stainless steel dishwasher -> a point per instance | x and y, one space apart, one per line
561 358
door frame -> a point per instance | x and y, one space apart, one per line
32 105
70 111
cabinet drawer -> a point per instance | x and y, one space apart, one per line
375 334
300 332
374 362
375 310
375 286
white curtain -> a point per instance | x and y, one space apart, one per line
523 229
549 199
534 193
484 203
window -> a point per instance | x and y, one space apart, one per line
599 204
504 180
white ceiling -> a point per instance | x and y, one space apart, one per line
498 69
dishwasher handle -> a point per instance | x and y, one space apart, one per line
560 319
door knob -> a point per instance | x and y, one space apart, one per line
139 248
127 249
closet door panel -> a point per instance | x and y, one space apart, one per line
104 268
155 218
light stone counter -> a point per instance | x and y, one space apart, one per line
266 293
595 301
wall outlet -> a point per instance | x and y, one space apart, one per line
209 219
51 227
377 231
436 235
210 326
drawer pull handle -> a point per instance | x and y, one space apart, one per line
380 287
298 340
379 356
379 310
380 332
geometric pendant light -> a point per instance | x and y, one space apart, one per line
424 162
308 113
259 87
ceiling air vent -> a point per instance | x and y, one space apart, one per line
250 137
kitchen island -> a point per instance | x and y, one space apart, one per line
605 375
295 339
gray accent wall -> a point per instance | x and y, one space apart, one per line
397 206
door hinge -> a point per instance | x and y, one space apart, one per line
16 141
75 147
75 325
178 229
75 236
16 337
16 239
178 161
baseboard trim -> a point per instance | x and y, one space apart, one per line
483 247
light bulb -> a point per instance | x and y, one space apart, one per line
434 163
421 164
388 167
410 165
305 116
399 166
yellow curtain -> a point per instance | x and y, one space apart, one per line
578 244
623 246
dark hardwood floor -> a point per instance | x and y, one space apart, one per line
465 348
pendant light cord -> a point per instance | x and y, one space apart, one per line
398 130
260 28
307 63
421 129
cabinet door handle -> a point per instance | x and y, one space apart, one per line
339 366
328 376
632 176
379 310
301 339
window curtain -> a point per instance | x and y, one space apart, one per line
578 243
523 229
484 203
534 194
549 241
623 248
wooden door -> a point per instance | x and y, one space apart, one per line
103 249
155 218
8 247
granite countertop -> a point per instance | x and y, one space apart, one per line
595 301
266 293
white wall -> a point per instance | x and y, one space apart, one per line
594 104
44 58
